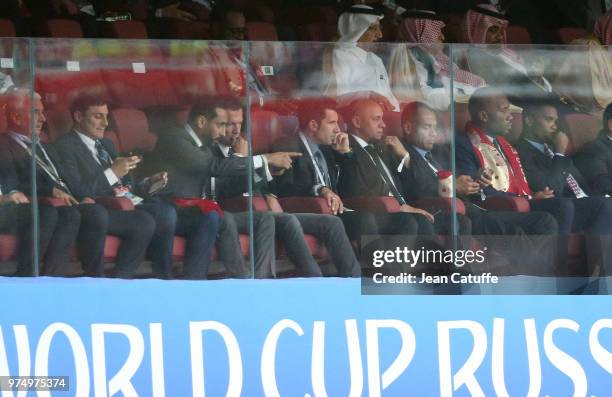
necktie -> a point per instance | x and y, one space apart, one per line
103 156
230 152
322 165
433 162
548 151
383 174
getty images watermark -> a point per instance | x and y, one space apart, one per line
404 265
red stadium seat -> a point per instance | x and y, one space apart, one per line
583 128
266 128
59 122
517 35
261 31
60 88
124 30
567 35
140 90
66 28
7 28
8 247
393 122
132 129
316 32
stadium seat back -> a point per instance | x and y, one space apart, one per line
132 129
261 31
66 28
7 28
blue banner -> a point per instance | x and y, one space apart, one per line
299 337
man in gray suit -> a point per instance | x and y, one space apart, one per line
186 153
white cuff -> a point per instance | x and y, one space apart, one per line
261 161
111 177
405 160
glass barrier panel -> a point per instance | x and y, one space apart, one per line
136 126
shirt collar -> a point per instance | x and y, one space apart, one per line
224 149
360 141
420 151
88 141
193 135
312 145
537 145
20 137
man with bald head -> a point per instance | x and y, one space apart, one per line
374 167
487 157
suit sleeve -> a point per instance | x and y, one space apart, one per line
593 165
72 170
181 151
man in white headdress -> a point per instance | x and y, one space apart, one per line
357 72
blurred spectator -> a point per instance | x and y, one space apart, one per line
603 28
496 63
583 75
355 70
423 72
185 10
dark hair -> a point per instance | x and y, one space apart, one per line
206 107
313 109
607 116
232 103
84 101
411 109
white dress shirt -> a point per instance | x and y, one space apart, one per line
357 70
111 177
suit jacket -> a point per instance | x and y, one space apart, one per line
542 171
467 163
302 177
82 173
232 186
8 175
14 156
359 175
419 180
190 167
595 163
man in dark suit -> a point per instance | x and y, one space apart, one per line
290 228
93 169
324 147
419 124
542 148
595 160
58 226
374 167
186 153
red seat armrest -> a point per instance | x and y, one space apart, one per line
506 203
444 204
372 204
241 204
116 203
52 201
316 205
